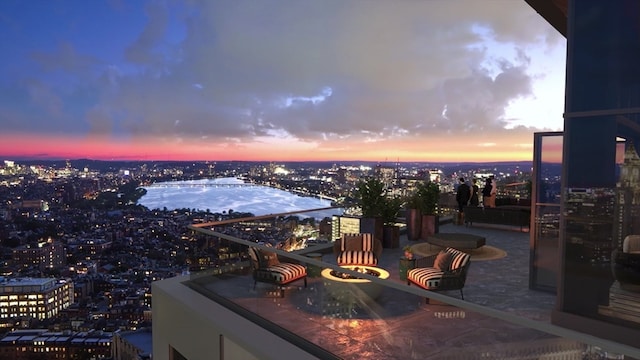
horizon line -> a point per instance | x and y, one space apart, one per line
280 161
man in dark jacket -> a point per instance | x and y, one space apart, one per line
474 200
462 197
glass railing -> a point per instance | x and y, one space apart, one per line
353 313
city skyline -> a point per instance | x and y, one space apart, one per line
203 80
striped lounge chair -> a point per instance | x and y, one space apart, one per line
446 270
357 249
267 268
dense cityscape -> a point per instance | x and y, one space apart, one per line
320 180
74 230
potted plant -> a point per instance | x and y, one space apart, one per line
370 195
391 231
408 252
407 262
429 196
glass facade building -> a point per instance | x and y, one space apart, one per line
598 269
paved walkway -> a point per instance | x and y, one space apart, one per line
502 284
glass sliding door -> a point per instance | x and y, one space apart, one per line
546 199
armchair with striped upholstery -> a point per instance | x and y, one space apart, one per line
357 249
267 268
446 270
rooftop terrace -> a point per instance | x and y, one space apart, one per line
499 318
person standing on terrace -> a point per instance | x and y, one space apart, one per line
462 197
474 201
489 193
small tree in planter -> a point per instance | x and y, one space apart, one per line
371 198
429 196
391 232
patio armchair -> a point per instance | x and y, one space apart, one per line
357 249
267 268
446 270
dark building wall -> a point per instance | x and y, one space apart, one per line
602 107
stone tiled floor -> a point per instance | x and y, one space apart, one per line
501 284
400 325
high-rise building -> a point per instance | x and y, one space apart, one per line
602 110
387 174
48 254
36 298
627 196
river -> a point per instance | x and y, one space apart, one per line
223 194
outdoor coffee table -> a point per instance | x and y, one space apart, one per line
344 286
457 240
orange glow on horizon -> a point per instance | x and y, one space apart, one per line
449 149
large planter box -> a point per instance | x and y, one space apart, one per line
501 215
414 224
391 237
429 226
372 226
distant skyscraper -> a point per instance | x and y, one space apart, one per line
624 298
627 197
387 174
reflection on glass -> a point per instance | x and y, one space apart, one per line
601 225
624 293
546 234
545 256
549 168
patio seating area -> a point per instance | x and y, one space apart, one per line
446 270
386 326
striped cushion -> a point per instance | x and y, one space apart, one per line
367 242
357 258
254 254
429 277
281 273
458 260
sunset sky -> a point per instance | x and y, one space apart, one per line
277 80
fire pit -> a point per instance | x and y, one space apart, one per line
342 285
362 270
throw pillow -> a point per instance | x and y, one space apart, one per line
442 261
268 258
353 242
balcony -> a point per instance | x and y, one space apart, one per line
499 318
